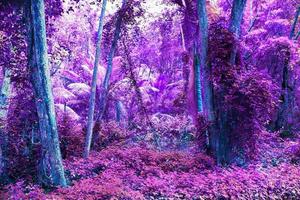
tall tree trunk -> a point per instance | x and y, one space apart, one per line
297 36
223 146
51 166
285 113
198 69
182 38
295 23
119 111
2 163
236 18
5 93
193 44
105 84
4 102
207 81
90 123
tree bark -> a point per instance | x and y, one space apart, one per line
297 36
90 123
284 118
51 166
295 23
285 114
4 102
236 22
223 146
119 111
105 84
194 46
198 69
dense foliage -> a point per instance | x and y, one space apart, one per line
181 111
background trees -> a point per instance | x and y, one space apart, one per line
177 82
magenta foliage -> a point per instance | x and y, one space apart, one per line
139 173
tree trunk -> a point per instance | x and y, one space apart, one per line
285 113
193 44
235 23
5 93
198 67
285 119
207 81
295 23
4 102
2 164
223 148
51 167
297 36
105 84
182 38
119 111
90 123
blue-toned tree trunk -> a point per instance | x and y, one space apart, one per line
193 72
51 166
297 36
4 102
5 93
198 82
236 19
284 120
2 164
295 23
206 72
223 148
119 111
105 84
90 123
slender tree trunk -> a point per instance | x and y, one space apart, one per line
90 123
207 81
193 44
198 69
236 22
52 171
4 95
295 23
4 102
119 111
182 38
297 36
2 163
252 17
105 84
211 133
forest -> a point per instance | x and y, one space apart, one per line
149 99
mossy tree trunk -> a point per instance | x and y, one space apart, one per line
51 166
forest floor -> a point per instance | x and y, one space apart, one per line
133 171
